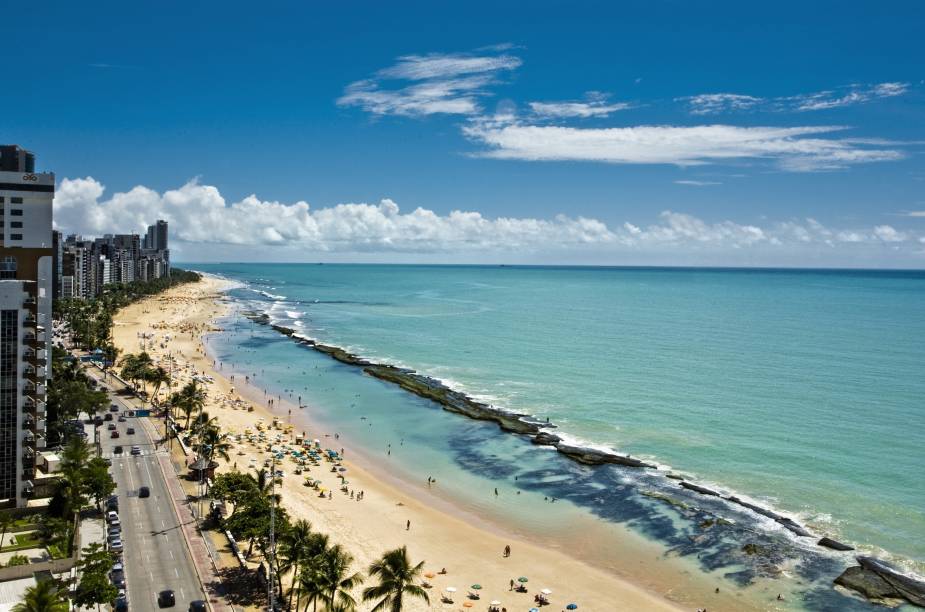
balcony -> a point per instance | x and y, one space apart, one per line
37 338
28 454
29 437
27 488
28 302
28 473
35 373
40 425
28 422
40 442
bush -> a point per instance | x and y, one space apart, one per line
18 560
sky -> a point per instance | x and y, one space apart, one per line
611 133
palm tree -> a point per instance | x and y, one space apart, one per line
336 581
191 399
212 443
397 579
293 551
45 596
157 376
264 481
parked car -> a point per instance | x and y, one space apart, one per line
117 450
144 492
115 532
111 426
197 605
120 605
112 515
136 450
107 416
118 578
130 430
113 408
166 598
115 544
114 434
112 503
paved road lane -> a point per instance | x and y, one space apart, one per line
156 555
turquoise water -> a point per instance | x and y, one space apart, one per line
804 390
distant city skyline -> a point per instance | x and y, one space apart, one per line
584 133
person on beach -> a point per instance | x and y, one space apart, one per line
507 550
512 585
408 526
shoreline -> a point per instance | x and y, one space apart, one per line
447 538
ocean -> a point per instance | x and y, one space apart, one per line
800 391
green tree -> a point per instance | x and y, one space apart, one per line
45 596
189 400
234 488
336 579
294 548
397 579
157 376
18 560
95 587
97 481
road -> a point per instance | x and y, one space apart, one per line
156 556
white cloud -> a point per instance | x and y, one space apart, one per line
203 223
693 183
711 104
792 148
915 213
595 106
429 84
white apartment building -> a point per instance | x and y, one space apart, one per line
25 318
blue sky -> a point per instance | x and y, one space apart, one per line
649 132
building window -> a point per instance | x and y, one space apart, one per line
9 337
15 200
8 267
1 223
15 236
1 199
16 212
16 224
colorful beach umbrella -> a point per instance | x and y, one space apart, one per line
476 586
534 610
429 575
546 591
522 579
467 604
571 606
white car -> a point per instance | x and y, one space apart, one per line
115 544
112 515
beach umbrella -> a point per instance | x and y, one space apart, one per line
467 604
429 575
522 579
476 586
450 589
534 610
546 592
494 602
571 606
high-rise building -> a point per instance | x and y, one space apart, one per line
26 279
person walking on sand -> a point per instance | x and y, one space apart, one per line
408 526
512 585
507 550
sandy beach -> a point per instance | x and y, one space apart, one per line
471 553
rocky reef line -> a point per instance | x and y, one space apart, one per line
874 579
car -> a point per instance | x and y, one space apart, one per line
114 434
111 427
113 408
112 515
144 492
197 605
107 460
117 450
166 598
136 450
130 430
115 530
117 578
116 523
107 416
115 544
112 503
120 605
121 419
